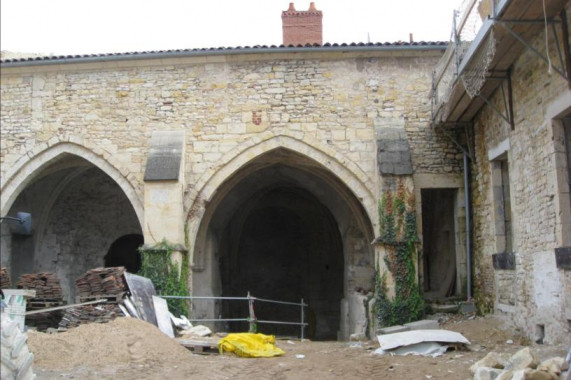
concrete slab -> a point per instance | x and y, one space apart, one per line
425 324
392 330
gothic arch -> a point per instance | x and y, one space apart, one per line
29 167
344 170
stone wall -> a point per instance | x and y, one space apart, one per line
222 103
534 293
323 110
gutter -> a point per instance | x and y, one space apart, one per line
210 52
468 228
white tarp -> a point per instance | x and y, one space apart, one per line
407 338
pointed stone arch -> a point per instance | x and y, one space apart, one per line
29 167
344 170
287 177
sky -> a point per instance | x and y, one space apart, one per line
109 26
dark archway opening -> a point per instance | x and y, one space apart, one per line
283 244
79 210
439 248
125 252
284 227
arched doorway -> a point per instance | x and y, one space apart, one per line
124 252
78 211
284 227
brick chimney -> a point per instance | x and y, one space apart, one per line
302 27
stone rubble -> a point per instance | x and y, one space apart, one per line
523 365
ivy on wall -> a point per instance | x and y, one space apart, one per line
158 267
397 220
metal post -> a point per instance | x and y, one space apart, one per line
253 327
302 320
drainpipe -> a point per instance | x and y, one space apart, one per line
467 211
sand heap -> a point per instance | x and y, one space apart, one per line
122 341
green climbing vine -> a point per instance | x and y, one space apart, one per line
158 267
397 220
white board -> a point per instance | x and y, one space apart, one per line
390 341
163 316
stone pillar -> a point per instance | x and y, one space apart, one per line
164 182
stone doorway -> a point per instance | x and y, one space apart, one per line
439 269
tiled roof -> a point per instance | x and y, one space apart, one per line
227 50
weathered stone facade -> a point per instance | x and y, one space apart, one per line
536 293
315 112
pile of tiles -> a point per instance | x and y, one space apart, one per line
48 294
5 282
99 283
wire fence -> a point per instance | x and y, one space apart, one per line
251 319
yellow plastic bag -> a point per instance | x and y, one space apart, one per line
248 345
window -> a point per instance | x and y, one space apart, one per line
502 204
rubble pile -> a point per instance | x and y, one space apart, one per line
101 282
48 294
89 314
5 282
523 365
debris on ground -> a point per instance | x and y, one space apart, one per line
95 284
199 331
97 352
419 342
523 365
181 323
80 315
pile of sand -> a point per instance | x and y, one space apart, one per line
122 341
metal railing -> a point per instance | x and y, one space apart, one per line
252 320
466 24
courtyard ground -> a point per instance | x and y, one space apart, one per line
130 349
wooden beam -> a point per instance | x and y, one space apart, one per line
63 307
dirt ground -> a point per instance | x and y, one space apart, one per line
130 349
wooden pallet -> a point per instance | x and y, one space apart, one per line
200 347
42 304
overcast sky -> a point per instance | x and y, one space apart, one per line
105 26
